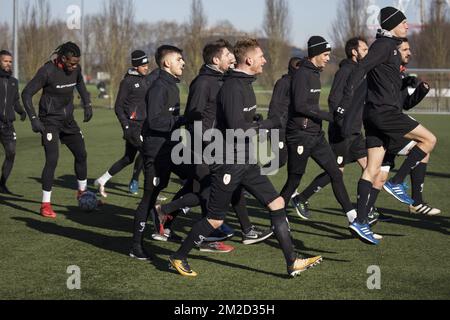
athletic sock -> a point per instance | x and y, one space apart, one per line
104 178
364 190
282 232
82 185
46 196
200 231
316 186
373 198
414 158
352 215
417 181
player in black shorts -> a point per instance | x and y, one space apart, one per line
163 118
9 105
347 150
305 136
131 110
55 122
279 107
236 111
383 118
413 92
202 105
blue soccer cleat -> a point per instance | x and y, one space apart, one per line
398 191
134 187
364 232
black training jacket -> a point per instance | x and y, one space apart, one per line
354 118
202 100
384 82
56 104
130 102
163 106
281 99
409 101
304 112
9 98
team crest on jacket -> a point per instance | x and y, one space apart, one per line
137 85
156 181
49 137
281 145
227 179
14 136
300 150
340 160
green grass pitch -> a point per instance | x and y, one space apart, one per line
414 257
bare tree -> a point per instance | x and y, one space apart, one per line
114 32
351 21
38 37
432 44
276 29
195 34
6 39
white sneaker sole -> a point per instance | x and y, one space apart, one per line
255 241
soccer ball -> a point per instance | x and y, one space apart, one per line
88 201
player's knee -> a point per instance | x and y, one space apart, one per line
336 175
216 224
432 141
10 155
51 161
277 204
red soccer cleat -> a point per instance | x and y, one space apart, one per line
79 194
47 210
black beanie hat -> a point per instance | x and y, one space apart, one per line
317 45
139 58
390 18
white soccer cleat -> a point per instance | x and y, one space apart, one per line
425 210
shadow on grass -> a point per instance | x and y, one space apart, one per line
120 245
14 203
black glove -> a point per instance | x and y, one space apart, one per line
181 121
410 81
258 117
132 136
88 113
37 125
23 116
127 132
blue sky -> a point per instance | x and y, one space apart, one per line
309 17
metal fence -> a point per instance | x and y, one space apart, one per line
437 101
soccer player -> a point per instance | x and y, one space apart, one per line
9 105
131 110
279 107
202 105
305 136
349 149
163 118
413 92
55 122
236 111
384 120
